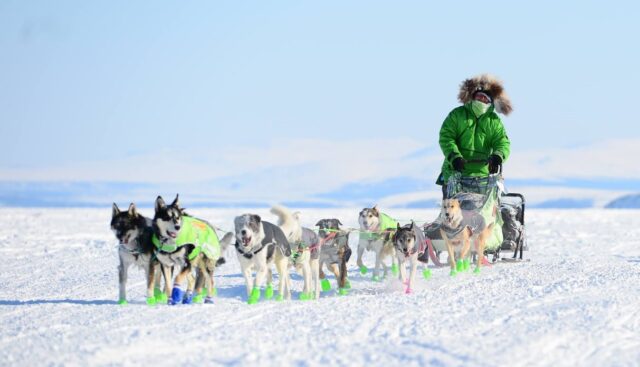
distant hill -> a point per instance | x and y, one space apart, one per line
625 202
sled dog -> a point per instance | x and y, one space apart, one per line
410 244
304 248
459 231
259 244
376 232
334 253
184 242
133 232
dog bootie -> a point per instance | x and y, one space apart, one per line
254 297
151 301
161 298
363 270
123 302
268 292
188 298
426 273
375 278
208 300
459 265
177 295
453 272
476 270
198 298
394 269
325 284
304 296
342 291
347 284
466 264
279 298
157 292
408 291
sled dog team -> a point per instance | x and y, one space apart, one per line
184 251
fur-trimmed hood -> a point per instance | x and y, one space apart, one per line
490 85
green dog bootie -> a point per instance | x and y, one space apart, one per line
363 270
342 292
254 297
375 278
199 298
476 270
467 264
347 284
162 298
151 301
157 292
394 269
453 272
279 298
123 302
459 265
304 296
326 285
426 273
268 292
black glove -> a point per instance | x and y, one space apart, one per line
494 162
458 164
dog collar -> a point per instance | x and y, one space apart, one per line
250 254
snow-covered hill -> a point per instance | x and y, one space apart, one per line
577 303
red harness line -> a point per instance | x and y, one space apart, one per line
322 241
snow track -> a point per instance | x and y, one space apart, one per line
576 303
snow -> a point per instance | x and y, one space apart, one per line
577 302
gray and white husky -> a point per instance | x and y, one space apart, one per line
260 244
334 253
375 237
134 232
410 244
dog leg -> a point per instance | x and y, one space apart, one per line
361 266
378 265
284 283
452 259
167 273
151 277
178 295
402 273
248 278
157 290
306 275
466 249
268 291
122 280
412 273
314 265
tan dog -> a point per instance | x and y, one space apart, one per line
458 231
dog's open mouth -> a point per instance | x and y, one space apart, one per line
246 241
125 240
172 234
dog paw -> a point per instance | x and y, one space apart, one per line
161 298
254 297
188 298
363 270
376 278
325 284
466 264
279 298
268 292
426 273
198 299
343 292
151 301
304 296
453 273
476 270
208 300
177 295
408 291
123 302
347 284
157 292
459 265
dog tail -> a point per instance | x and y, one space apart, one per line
288 222
224 244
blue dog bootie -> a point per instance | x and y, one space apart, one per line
188 298
177 295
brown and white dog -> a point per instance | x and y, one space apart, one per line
376 234
458 230
334 253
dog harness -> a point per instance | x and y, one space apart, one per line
386 224
473 220
196 232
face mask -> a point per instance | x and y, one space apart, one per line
479 108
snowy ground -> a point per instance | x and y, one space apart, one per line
577 303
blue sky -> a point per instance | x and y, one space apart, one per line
307 97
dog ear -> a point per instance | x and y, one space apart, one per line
132 210
256 218
339 222
115 210
375 210
412 225
397 225
160 204
319 222
175 202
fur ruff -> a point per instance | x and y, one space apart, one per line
490 85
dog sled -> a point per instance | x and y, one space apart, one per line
483 200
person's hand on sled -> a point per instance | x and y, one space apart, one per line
494 162
458 164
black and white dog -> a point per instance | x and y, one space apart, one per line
186 251
258 245
334 253
134 232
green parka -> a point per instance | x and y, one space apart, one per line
464 135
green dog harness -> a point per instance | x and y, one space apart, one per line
386 224
196 232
